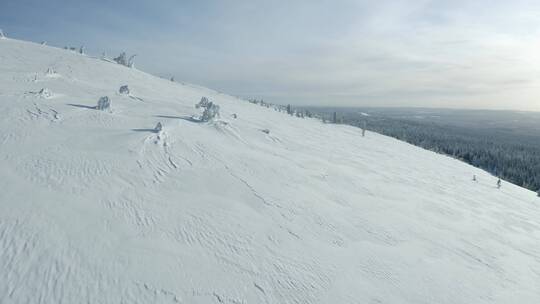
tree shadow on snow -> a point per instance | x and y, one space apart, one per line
187 118
82 106
145 130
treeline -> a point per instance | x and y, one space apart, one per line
513 157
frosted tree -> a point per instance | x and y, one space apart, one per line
121 59
45 93
364 126
2 36
499 183
211 110
158 127
104 103
131 63
124 90
203 103
81 50
50 72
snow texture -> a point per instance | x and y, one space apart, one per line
97 209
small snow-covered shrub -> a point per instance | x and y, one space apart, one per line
45 93
81 50
123 60
265 131
203 103
50 72
158 127
104 103
210 112
2 36
124 90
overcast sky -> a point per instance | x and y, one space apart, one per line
461 54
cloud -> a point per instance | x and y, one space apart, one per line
407 53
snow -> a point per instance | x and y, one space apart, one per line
96 207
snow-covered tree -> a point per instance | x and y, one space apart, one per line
81 50
211 110
131 63
2 36
104 103
121 59
45 93
364 126
203 103
50 72
499 183
124 90
158 127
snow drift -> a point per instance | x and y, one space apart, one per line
98 207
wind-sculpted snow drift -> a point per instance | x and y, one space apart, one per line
100 207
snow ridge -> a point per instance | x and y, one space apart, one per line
143 203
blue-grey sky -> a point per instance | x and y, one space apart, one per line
453 53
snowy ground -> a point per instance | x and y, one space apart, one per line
96 208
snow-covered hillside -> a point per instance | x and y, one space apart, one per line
95 207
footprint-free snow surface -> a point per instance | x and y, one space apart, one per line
98 207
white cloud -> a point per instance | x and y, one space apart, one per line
347 52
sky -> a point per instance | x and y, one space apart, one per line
453 54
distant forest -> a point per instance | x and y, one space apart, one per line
504 143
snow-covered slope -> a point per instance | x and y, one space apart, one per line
96 208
